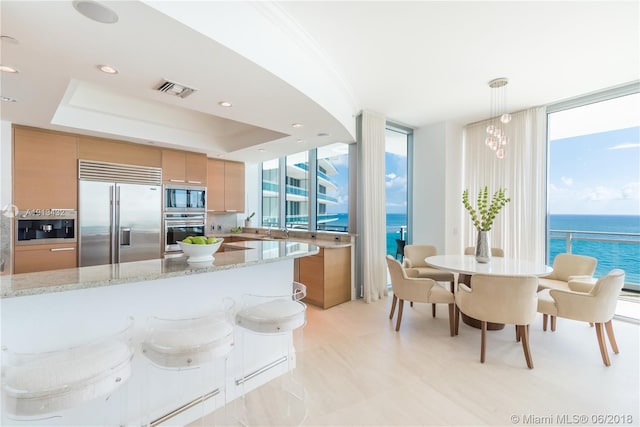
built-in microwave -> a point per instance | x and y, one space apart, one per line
185 198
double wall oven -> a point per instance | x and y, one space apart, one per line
184 215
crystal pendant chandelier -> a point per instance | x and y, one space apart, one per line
497 137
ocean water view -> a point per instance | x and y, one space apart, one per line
616 251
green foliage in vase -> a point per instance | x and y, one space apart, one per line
485 214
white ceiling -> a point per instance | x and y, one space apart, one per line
315 63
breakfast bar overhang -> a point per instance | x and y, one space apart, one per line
63 308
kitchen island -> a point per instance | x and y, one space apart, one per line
62 308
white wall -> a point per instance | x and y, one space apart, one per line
437 181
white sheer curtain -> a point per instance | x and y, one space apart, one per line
520 227
372 206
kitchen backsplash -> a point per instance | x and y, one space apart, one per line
223 222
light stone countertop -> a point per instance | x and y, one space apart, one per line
248 253
322 241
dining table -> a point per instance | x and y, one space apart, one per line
467 266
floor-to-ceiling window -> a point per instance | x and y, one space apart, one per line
594 181
396 191
270 193
333 187
315 189
297 191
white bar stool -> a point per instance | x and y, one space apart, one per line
272 319
54 385
176 346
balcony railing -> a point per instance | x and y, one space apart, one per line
611 249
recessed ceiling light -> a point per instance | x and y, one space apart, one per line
300 140
262 150
108 69
8 69
96 11
225 104
323 134
297 125
7 99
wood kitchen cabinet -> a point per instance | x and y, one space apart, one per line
327 276
112 151
225 190
182 167
45 166
28 259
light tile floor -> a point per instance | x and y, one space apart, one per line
358 370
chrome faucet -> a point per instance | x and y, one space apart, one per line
269 231
286 232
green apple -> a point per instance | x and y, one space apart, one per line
212 240
200 240
188 240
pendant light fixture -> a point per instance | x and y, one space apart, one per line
497 137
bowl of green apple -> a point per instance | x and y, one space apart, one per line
200 248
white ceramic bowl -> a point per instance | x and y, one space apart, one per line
200 253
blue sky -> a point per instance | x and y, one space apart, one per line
594 162
596 174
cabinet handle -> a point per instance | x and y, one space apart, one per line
176 180
231 210
194 182
62 249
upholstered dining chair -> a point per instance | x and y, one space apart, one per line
419 289
593 303
414 263
500 299
567 267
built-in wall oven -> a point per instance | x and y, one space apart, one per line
179 225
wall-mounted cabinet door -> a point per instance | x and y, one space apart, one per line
45 170
215 185
196 169
234 187
225 189
182 167
112 151
173 167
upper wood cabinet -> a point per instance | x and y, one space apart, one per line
45 169
196 168
181 167
215 185
234 186
225 189
107 150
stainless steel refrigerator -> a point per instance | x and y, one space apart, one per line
119 222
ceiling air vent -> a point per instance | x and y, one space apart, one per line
173 88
